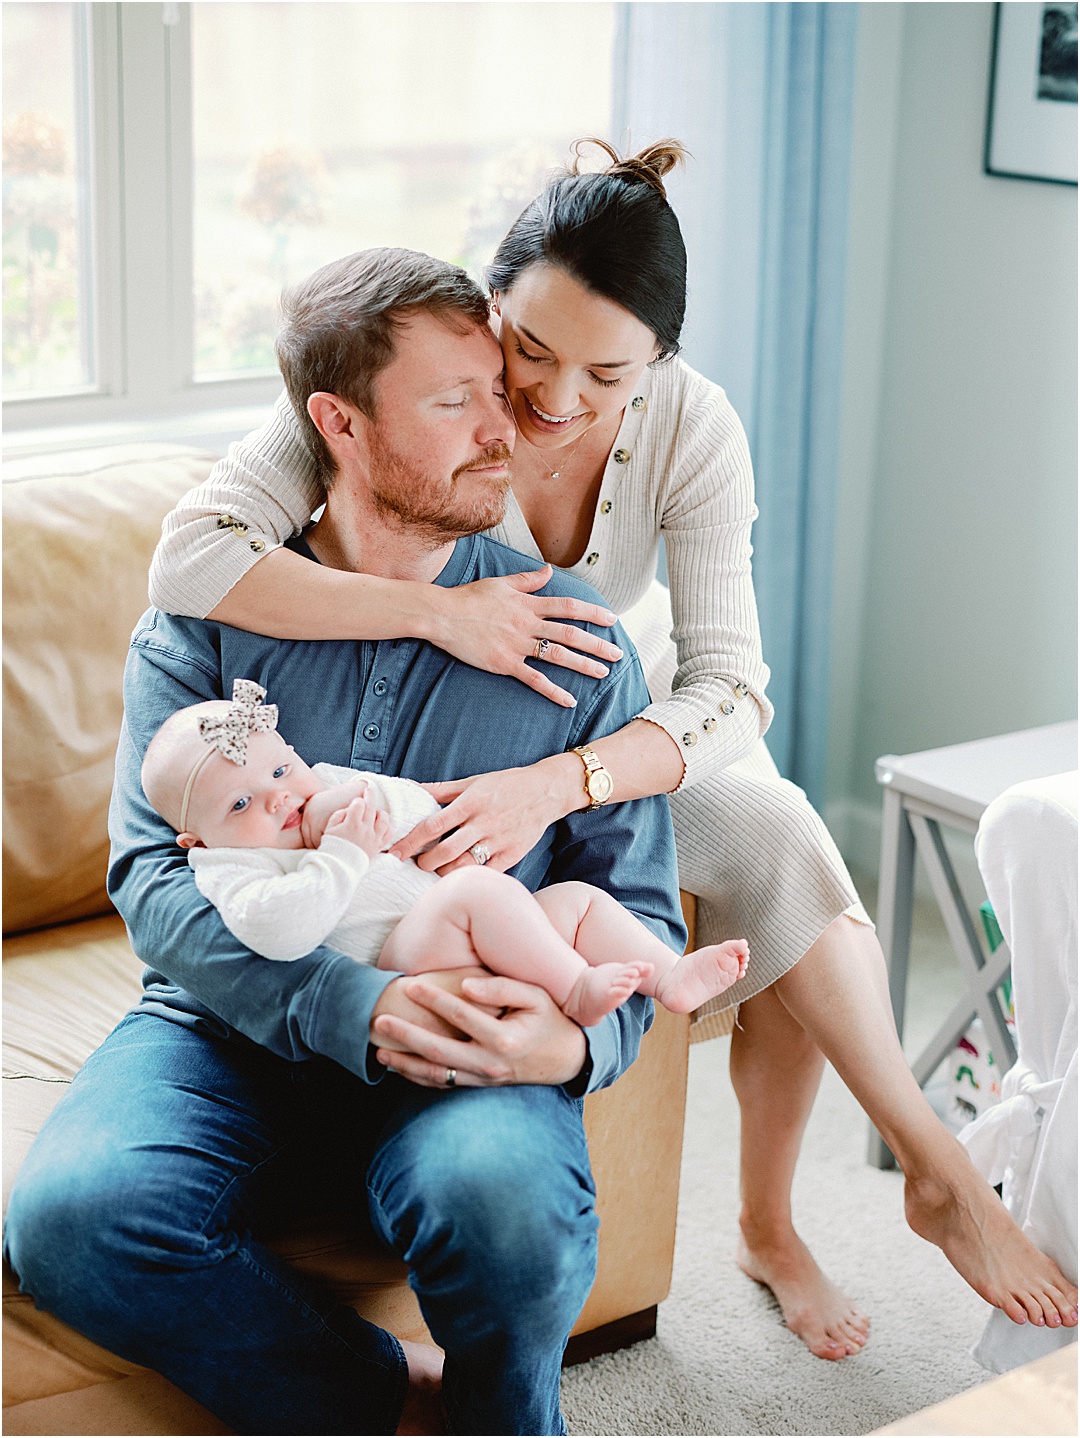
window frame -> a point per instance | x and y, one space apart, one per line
140 249
139 252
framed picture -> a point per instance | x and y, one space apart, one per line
1032 116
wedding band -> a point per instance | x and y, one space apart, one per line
451 1078
481 853
542 647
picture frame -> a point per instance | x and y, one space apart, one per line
1031 123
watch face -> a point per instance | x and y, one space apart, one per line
601 786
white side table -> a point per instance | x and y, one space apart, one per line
951 786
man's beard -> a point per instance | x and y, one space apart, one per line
427 507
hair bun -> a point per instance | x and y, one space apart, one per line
648 166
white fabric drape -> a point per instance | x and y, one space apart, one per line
1027 852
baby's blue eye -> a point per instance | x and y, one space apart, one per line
240 806
281 771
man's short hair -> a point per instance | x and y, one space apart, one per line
338 326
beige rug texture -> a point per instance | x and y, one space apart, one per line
722 1361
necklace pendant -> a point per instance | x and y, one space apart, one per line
554 474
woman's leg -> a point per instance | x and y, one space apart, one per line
764 867
481 916
775 1070
838 994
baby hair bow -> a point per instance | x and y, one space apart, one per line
247 714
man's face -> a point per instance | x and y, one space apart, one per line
442 435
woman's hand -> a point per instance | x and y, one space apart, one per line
496 624
507 811
532 1042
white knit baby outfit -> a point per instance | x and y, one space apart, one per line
283 903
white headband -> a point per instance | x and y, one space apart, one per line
246 715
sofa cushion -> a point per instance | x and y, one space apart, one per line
79 530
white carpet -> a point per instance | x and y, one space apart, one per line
722 1361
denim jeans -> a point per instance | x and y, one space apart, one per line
140 1217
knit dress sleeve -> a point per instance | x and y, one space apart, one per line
718 710
262 493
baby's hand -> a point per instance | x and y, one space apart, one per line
362 824
321 806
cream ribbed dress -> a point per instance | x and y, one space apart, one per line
760 860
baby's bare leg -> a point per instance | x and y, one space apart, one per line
481 916
603 932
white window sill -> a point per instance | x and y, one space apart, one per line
209 429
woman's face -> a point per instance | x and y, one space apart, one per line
573 357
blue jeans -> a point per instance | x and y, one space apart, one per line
139 1217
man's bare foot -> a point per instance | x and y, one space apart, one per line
701 975
973 1229
818 1312
423 1400
601 989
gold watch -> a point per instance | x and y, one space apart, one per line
599 785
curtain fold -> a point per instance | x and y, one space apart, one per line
762 95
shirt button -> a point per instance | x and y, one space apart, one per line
741 690
709 725
257 545
592 558
621 456
372 731
224 521
380 686
638 402
727 707
605 508
689 739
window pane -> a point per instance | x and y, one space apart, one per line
320 129
46 301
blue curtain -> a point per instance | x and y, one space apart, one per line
761 94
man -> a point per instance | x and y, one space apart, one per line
243 1092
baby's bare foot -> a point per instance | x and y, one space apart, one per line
423 1398
601 989
701 975
972 1227
818 1312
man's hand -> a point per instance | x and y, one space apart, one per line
532 1042
319 807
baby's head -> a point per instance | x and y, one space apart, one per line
212 801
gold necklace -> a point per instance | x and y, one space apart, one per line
554 473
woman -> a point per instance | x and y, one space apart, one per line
620 444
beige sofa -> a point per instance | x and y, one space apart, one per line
78 533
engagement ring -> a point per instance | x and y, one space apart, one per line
451 1078
481 853
542 647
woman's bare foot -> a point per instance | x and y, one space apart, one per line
818 1312
972 1227
423 1399
601 989
701 975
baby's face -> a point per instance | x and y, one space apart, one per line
256 806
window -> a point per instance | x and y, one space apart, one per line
48 329
204 155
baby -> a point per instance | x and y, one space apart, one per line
294 857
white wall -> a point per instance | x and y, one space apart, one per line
955 600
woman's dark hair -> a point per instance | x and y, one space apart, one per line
614 232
